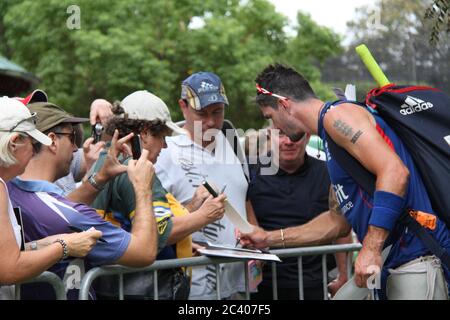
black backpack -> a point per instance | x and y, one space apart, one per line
420 116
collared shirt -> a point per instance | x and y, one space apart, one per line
286 200
38 186
46 213
182 167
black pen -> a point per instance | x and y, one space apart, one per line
76 229
210 189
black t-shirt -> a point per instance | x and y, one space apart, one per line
285 200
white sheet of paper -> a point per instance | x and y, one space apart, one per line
216 250
236 219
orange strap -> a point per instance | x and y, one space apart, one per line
426 220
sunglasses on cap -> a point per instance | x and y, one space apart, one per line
30 119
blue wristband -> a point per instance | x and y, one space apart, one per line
387 208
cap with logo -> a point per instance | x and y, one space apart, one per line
202 89
143 105
16 117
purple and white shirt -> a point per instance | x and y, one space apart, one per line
46 212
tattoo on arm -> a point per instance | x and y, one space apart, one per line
347 131
356 136
333 204
343 128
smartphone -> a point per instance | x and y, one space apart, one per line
136 147
97 131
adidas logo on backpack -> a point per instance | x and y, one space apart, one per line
413 105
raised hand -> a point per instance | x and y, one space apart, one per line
100 111
92 151
112 166
141 172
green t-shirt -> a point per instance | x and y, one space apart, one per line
116 203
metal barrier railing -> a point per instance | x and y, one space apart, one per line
94 273
310 251
50 278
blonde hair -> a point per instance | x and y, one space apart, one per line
7 158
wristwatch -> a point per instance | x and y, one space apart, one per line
94 183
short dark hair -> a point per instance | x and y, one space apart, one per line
156 128
285 81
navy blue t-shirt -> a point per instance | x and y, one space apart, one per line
356 204
284 200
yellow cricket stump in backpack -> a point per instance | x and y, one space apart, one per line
372 65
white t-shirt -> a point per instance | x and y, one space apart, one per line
7 292
182 167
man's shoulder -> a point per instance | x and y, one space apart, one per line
178 141
317 165
158 190
33 186
168 158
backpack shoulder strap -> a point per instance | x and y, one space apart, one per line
367 181
358 172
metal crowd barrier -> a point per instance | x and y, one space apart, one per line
94 273
50 278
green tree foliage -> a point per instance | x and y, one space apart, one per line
397 34
4 48
123 46
310 48
439 11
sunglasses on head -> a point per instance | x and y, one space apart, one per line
261 90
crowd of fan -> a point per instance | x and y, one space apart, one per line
134 210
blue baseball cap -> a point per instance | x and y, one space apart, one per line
202 89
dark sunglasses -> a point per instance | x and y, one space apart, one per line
72 135
296 138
